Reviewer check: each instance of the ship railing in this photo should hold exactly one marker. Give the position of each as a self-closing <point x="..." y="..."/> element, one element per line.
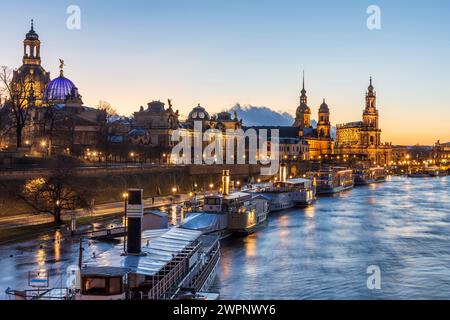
<point x="41" y="294"/>
<point x="163" y="283"/>
<point x="204" y="273"/>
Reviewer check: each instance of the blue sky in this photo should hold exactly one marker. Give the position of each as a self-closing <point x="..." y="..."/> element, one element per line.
<point x="218" y="53"/>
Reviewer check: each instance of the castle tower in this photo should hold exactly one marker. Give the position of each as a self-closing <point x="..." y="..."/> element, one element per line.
<point x="324" y="125"/>
<point x="303" y="114"/>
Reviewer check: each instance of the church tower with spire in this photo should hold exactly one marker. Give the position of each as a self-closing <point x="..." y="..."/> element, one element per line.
<point x="303" y="114"/>
<point x="362" y="139"/>
<point x="371" y="135"/>
<point x="370" y="114"/>
<point x="31" y="74"/>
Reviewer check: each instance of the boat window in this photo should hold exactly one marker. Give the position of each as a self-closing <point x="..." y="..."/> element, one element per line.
<point x="102" y="286"/>
<point x="94" y="286"/>
<point x="115" y="285"/>
<point x="212" y="201"/>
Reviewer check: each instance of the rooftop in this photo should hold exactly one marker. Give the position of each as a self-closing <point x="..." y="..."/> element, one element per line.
<point x="159" y="247"/>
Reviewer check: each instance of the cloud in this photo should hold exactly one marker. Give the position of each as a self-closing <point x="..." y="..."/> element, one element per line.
<point x="264" y="116"/>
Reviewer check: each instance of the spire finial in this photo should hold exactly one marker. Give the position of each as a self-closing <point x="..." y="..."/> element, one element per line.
<point x="32" y="24"/>
<point x="303" y="88"/>
<point x="303" y="79"/>
<point x="323" y="100"/>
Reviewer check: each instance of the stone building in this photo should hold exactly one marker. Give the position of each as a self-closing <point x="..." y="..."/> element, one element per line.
<point x="362" y="139"/>
<point x="441" y="152"/>
<point x="291" y="145"/>
<point x="57" y="122"/>
<point x="319" y="139"/>
<point x="31" y="74"/>
<point x="154" y="125"/>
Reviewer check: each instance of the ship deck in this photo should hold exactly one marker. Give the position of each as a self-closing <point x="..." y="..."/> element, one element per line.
<point x="158" y="249"/>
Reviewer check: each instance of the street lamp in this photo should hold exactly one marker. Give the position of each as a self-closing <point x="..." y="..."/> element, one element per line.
<point x="125" y="222"/>
<point x="44" y="145"/>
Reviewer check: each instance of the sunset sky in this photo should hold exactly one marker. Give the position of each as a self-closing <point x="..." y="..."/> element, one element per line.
<point x="219" y="53"/>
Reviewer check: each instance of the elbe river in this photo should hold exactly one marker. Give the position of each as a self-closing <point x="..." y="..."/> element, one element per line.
<point x="400" y="227"/>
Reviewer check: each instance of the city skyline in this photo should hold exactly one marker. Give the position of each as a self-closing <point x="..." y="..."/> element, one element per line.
<point x="264" y="66"/>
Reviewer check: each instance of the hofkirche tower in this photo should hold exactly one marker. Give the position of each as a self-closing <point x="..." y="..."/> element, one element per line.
<point x="362" y="139"/>
<point x="370" y="116"/>
<point x="31" y="74"/>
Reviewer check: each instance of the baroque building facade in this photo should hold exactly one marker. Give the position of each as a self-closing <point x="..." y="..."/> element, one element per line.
<point x="154" y="125"/>
<point x="31" y="74"/>
<point x="57" y="122"/>
<point x="319" y="139"/>
<point x="362" y="139"/>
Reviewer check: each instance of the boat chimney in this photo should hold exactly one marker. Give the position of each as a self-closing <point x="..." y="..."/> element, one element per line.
<point x="135" y="212"/>
<point x="226" y="182"/>
<point x="283" y="172"/>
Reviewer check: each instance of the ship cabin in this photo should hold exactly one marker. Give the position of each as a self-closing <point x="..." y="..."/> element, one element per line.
<point x="335" y="175"/>
<point x="296" y="184"/>
<point x="220" y="203"/>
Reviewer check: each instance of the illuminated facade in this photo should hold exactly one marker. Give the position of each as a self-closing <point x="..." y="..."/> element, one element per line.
<point x="362" y="139"/>
<point x="154" y="125"/>
<point x="31" y="71"/>
<point x="441" y="152"/>
<point x="58" y="122"/>
<point x="319" y="139"/>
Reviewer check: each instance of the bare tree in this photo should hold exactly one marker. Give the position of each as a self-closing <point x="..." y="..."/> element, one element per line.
<point x="57" y="192"/>
<point x="106" y="106"/>
<point x="18" y="100"/>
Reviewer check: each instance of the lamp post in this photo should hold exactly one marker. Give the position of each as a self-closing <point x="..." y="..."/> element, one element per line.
<point x="44" y="145"/>
<point x="125" y="198"/>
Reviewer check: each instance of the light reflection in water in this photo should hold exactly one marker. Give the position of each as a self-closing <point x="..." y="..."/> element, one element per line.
<point x="40" y="257"/>
<point x="250" y="246"/>
<point x="309" y="212"/>
<point x="320" y="252"/>
<point x="57" y="245"/>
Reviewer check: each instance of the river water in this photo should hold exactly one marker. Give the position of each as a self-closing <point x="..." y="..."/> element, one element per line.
<point x="401" y="227"/>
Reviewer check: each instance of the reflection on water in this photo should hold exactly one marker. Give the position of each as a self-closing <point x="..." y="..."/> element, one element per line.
<point x="320" y="252"/>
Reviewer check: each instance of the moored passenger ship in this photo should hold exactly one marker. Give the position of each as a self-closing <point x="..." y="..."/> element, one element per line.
<point x="287" y="194"/>
<point x="334" y="180"/>
<point x="368" y="176"/>
<point x="227" y="213"/>
<point x="170" y="262"/>
<point x="154" y="264"/>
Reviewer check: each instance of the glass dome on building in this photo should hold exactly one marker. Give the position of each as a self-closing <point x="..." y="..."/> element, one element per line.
<point x="58" y="89"/>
